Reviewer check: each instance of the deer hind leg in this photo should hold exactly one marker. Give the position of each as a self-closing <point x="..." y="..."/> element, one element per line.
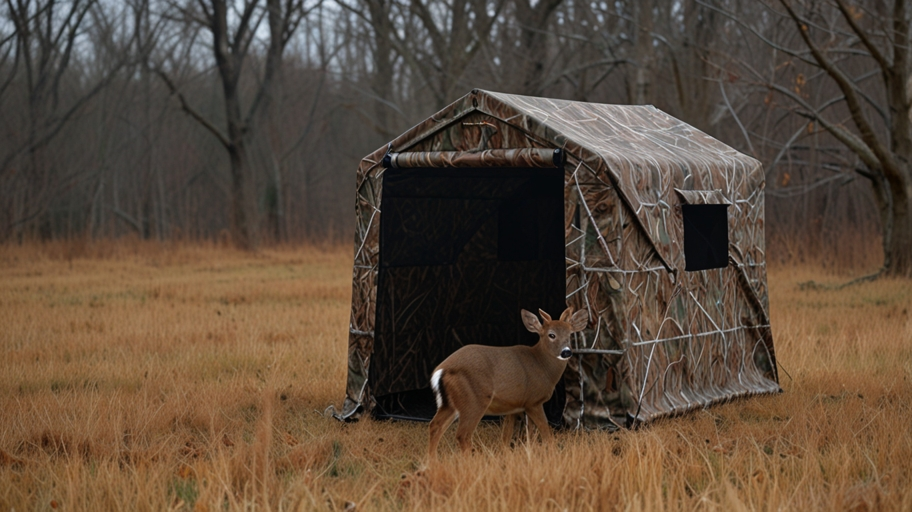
<point x="442" y="420"/>
<point x="471" y="404"/>
<point x="537" y="415"/>
<point x="468" y="422"/>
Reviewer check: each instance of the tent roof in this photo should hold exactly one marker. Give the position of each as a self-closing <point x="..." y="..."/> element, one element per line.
<point x="626" y="135"/>
<point x="641" y="150"/>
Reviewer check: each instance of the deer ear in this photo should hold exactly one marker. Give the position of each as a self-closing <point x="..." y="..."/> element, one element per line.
<point x="579" y="320"/>
<point x="565" y="316"/>
<point x="531" y="322"/>
<point x="545" y="316"/>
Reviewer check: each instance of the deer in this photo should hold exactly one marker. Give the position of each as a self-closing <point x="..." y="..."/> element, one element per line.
<point x="479" y="380"/>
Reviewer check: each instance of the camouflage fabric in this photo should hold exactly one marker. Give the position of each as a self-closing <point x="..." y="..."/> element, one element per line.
<point x="661" y="341"/>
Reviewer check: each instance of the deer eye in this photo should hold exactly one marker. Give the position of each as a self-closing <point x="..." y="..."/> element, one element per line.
<point x="552" y="335"/>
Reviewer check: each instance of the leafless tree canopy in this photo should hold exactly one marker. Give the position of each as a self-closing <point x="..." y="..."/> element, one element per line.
<point x="245" y="119"/>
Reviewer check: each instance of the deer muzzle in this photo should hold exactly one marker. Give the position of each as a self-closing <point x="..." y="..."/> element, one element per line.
<point x="565" y="354"/>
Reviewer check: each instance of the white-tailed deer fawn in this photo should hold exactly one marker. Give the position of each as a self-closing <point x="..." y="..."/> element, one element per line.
<point x="503" y="381"/>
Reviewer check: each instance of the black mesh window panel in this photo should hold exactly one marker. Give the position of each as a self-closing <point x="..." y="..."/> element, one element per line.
<point x="705" y="236"/>
<point x="462" y="251"/>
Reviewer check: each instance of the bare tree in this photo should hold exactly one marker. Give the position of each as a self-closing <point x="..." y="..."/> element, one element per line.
<point x="533" y="20"/>
<point x="849" y="46"/>
<point x="231" y="41"/>
<point x="436" y="40"/>
<point x="688" y="33"/>
<point x="379" y="20"/>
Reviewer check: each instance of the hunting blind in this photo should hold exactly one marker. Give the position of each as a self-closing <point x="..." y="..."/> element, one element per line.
<point x="500" y="202"/>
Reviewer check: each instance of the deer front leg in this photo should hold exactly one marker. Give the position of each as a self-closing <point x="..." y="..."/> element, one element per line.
<point x="508" y="422"/>
<point x="537" y="415"/>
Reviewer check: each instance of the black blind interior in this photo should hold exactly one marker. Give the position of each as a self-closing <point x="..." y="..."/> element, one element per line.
<point x="705" y="236"/>
<point x="461" y="252"/>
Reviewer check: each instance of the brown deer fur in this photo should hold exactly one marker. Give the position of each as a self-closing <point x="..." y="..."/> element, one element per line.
<point x="479" y="380"/>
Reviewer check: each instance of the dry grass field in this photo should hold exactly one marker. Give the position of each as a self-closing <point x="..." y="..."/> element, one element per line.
<point x="141" y="376"/>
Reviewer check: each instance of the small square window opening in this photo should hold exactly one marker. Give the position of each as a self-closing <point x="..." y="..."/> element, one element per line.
<point x="705" y="236"/>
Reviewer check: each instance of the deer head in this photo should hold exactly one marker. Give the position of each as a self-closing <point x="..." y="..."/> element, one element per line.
<point x="554" y="335"/>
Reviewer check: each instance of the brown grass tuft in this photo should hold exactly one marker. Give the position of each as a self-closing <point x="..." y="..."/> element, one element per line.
<point x="146" y="376"/>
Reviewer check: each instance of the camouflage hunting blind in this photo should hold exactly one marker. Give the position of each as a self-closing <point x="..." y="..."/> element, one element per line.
<point x="501" y="202"/>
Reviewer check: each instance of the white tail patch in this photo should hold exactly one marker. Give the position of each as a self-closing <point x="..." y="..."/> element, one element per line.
<point x="435" y="385"/>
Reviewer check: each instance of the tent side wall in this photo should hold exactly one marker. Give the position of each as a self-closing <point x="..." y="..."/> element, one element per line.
<point x="697" y="338"/>
<point x="690" y="338"/>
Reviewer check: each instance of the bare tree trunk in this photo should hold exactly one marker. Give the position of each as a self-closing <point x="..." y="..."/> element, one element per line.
<point x="152" y="175"/>
<point x="533" y="19"/>
<point x="382" y="81"/>
<point x="897" y="232"/>
<point x="689" y="61"/>
<point x="229" y="58"/>
<point x="282" y="20"/>
<point x="898" y="77"/>
<point x="640" y="87"/>
<point x="229" y="51"/>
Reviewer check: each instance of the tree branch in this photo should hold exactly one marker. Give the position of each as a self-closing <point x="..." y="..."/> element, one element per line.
<point x="612" y="63"/>
<point x="126" y="217"/>
<point x="734" y="114"/>
<point x="863" y="37"/>
<point x="62" y="120"/>
<point x="757" y="34"/>
<point x="192" y="112"/>
<point x="855" y="109"/>
<point x="856" y="145"/>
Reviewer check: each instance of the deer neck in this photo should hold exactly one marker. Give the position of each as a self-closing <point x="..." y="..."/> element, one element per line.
<point x="547" y="360"/>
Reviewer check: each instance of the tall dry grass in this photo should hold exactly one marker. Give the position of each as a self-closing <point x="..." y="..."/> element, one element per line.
<point x="154" y="376"/>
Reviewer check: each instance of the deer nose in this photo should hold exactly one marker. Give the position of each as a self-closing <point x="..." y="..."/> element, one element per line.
<point x="565" y="353"/>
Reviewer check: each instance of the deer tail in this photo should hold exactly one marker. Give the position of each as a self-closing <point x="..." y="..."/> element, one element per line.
<point x="437" y="386"/>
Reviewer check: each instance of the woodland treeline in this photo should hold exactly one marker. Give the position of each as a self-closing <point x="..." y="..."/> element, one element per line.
<point x="245" y="120"/>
